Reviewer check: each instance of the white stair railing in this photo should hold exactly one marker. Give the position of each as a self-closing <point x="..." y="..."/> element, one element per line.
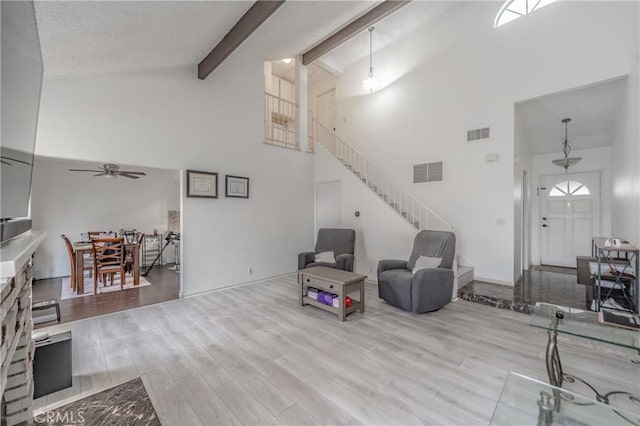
<point x="402" y="201"/>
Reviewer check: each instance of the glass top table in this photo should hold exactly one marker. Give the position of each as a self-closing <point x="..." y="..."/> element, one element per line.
<point x="526" y="401"/>
<point x="582" y="323"/>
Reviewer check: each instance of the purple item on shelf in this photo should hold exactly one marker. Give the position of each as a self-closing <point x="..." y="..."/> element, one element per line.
<point x="326" y="297"/>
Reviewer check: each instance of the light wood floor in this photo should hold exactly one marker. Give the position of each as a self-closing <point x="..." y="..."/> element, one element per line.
<point x="250" y="355"/>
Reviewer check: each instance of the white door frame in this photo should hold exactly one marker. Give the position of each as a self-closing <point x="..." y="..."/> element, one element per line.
<point x="526" y="221"/>
<point x="318" y="96"/>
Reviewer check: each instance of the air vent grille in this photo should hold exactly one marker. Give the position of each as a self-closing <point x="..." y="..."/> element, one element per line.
<point x="427" y="172"/>
<point x="474" y="135"/>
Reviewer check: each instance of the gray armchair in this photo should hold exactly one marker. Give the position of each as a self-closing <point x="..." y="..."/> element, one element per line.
<point x="429" y="289"/>
<point x="340" y="241"/>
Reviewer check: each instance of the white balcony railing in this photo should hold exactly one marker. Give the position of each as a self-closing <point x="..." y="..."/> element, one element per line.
<point x="280" y="122"/>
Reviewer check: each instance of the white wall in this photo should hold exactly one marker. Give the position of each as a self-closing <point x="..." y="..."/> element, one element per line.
<point x="168" y="118"/>
<point x="626" y="162"/>
<point x="459" y="73"/>
<point x="593" y="159"/>
<point x="71" y="203"/>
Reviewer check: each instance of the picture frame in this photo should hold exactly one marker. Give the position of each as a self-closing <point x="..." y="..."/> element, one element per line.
<point x="202" y="184"/>
<point x="236" y="187"/>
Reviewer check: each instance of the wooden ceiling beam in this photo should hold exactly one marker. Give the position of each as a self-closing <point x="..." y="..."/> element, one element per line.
<point x="250" y="21"/>
<point x="385" y="8"/>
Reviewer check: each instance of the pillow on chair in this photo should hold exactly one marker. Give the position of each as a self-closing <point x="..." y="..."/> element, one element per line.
<point x="325" y="257"/>
<point x="425" y="262"/>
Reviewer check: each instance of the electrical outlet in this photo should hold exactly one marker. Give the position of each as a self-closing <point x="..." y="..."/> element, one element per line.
<point x="250" y="271"/>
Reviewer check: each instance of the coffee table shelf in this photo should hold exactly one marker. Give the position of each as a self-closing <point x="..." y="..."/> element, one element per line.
<point x="355" y="305"/>
<point x="335" y="281"/>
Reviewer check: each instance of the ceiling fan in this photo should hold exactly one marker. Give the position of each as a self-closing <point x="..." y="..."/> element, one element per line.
<point x="111" y="170"/>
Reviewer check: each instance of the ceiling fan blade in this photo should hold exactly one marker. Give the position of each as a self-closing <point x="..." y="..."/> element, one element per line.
<point x="85" y="170"/>
<point x="100" y="174"/>
<point x="132" y="173"/>
<point x="6" y="162"/>
<point x="127" y="175"/>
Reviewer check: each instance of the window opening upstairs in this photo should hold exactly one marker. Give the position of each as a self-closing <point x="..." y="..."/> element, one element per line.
<point x="280" y="106"/>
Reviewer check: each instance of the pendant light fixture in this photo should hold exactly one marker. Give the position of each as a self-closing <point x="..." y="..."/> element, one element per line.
<point x="371" y="83"/>
<point x="566" y="149"/>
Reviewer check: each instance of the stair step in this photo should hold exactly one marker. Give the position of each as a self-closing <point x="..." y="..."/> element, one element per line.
<point x="465" y="275"/>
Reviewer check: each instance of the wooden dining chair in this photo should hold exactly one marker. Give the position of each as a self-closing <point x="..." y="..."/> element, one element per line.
<point x="130" y="252"/>
<point x="87" y="264"/>
<point x="108" y="254"/>
<point x="72" y="260"/>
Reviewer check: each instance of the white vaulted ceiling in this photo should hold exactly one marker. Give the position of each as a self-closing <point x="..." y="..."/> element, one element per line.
<point x="110" y="36"/>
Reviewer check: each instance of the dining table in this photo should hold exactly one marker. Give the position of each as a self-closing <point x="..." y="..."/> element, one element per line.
<point x="82" y="248"/>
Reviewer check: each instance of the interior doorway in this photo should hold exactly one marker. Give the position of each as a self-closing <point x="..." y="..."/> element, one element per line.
<point x="570" y="216"/>
<point x="69" y="197"/>
<point x="328" y="205"/>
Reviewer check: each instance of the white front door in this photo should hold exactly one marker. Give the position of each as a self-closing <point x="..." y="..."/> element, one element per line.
<point x="570" y="216"/>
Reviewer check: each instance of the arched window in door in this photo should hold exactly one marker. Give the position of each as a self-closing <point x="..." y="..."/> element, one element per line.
<point x="514" y="9"/>
<point x="567" y="188"/>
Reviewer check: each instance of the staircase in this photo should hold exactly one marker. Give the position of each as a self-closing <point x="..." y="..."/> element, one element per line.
<point x="413" y="211"/>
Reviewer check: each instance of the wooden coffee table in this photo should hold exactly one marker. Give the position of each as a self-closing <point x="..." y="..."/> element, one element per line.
<point x="334" y="281"/>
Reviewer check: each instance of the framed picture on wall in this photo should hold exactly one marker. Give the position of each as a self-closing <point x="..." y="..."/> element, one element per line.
<point x="236" y="187"/>
<point x="202" y="184"/>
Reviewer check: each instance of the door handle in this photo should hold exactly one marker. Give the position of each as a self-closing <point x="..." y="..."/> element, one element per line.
<point x="544" y="225"/>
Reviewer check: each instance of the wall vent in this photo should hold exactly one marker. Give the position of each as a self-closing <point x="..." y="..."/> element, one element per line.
<point x="427" y="172"/>
<point x="474" y="135"/>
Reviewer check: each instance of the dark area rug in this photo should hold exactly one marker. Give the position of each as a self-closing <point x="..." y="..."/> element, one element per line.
<point x="125" y="404"/>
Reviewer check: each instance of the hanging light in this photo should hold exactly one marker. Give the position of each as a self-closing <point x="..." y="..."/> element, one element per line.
<point x="371" y="83"/>
<point x="566" y="149"/>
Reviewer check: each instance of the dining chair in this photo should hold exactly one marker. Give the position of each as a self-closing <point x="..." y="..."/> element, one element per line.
<point x="129" y="253"/>
<point x="72" y="260"/>
<point x="87" y="264"/>
<point x="108" y="254"/>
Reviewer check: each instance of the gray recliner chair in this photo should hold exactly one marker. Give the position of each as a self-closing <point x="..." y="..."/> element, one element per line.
<point x="429" y="289"/>
<point x="340" y="241"/>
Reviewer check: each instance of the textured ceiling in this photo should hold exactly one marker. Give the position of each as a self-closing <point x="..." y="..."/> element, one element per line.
<point x="592" y="111"/>
<point x="109" y="36"/>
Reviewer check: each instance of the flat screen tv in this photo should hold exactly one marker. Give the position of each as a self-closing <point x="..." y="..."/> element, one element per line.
<point x="20" y="97"/>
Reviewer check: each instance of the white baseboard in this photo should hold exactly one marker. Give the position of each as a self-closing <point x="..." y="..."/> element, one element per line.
<point x="494" y="281"/>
